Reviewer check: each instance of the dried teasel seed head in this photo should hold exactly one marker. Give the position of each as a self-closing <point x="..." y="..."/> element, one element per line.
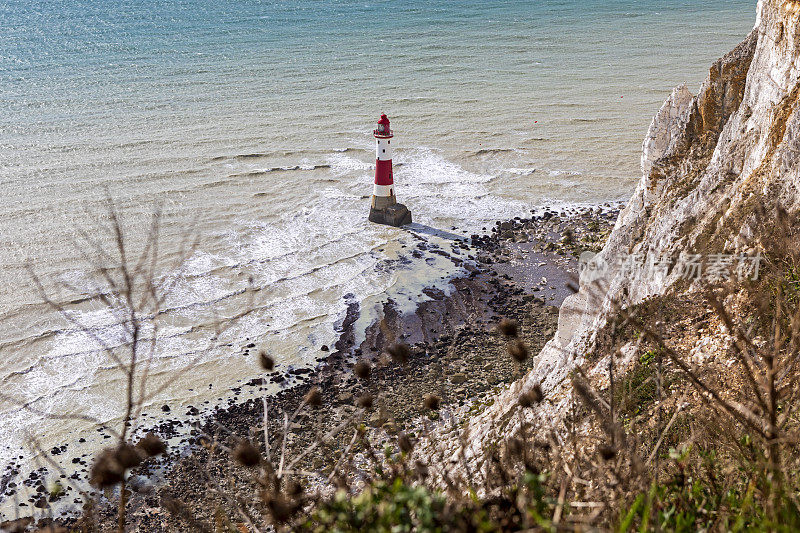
<point x="536" y="393"/>
<point x="405" y="443"/>
<point x="508" y="327"/>
<point x="399" y="352"/>
<point x="432" y="402"/>
<point x="421" y="469"/>
<point x="314" y="397"/>
<point x="267" y="362"/>
<point x="524" y="400"/>
<point x="127" y="456"/>
<point x="362" y="369"/>
<point x="518" y="351"/>
<point x="106" y="470"/>
<point x="280" y="507"/>
<point x="246" y="454"/>
<point x="607" y="452"/>
<point x="365" y="400"/>
<point x="294" y="489"/>
<point x="516" y="446"/>
<point x="151" y="445"/>
<point x="530" y="397"/>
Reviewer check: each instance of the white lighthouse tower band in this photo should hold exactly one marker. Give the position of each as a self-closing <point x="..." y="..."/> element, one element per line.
<point x="384" y="208"/>
<point x="383" y="153"/>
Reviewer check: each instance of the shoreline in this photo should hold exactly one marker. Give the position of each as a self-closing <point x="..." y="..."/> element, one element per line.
<point x="517" y="270"/>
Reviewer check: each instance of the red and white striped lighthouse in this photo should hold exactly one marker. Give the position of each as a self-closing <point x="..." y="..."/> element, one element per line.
<point x="383" y="193"/>
<point x="385" y="209"/>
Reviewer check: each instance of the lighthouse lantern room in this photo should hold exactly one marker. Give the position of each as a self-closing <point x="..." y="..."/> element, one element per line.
<point x="384" y="208"/>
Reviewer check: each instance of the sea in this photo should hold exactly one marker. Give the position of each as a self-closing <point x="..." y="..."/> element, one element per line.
<point x="246" y="125"/>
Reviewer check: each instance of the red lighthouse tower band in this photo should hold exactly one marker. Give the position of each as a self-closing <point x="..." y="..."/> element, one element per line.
<point x="385" y="209"/>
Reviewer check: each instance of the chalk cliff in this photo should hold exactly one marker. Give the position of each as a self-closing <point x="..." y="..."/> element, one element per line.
<point x="708" y="162"/>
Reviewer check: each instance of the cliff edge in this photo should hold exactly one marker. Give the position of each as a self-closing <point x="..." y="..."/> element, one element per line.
<point x="709" y="162"/>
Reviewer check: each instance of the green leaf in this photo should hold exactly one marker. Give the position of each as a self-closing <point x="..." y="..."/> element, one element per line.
<point x="625" y="525"/>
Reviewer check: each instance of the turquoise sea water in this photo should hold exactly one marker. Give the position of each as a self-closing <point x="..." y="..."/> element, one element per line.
<point x="250" y="121"/>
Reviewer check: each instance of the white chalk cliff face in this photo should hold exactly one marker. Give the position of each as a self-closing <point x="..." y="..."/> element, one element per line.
<point x="666" y="125"/>
<point x="708" y="162"/>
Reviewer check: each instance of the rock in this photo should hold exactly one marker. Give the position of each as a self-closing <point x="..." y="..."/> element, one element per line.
<point x="458" y="378"/>
<point x="665" y="126"/>
<point x="345" y="397"/>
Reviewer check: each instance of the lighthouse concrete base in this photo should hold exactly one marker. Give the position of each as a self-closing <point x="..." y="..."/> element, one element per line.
<point x="393" y="215"/>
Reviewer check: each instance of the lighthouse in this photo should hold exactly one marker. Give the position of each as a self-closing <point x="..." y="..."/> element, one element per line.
<point x="385" y="209"/>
